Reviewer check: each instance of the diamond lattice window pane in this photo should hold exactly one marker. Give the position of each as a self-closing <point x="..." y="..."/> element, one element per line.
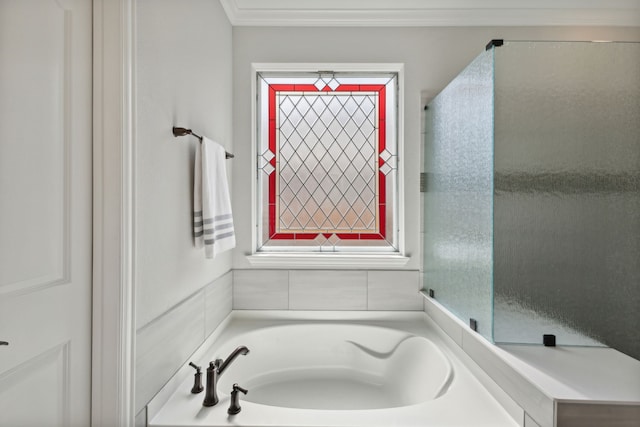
<point x="326" y="154"/>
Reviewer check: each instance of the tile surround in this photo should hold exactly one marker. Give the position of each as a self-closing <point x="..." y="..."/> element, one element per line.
<point x="528" y="421"/>
<point x="164" y="344"/>
<point x="448" y="324"/>
<point x="260" y="289"/>
<point x="393" y="290"/>
<point x="327" y="290"/>
<point x="141" y="418"/>
<point x="218" y="302"/>
<point x="197" y="316"/>
<point x="538" y="405"/>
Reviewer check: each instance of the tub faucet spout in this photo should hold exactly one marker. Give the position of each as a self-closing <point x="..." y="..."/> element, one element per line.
<point x="237" y="352"/>
<point x="215" y="370"/>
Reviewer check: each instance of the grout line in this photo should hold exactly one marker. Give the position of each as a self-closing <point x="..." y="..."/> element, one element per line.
<point x="367" y="293"/>
<point x="204" y="308"/>
<point x="233" y="288"/>
<point x="288" y="289"/>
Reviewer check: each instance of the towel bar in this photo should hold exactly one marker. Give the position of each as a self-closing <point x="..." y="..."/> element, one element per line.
<point x="183" y="131"/>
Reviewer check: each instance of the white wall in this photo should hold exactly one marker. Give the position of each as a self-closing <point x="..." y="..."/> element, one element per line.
<point x="432" y="58"/>
<point x="183" y="77"/>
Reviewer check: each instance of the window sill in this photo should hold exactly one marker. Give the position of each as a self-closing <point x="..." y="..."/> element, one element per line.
<point x="318" y="260"/>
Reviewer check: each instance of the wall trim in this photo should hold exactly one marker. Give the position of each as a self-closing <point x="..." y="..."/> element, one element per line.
<point x="433" y="13"/>
<point x="113" y="330"/>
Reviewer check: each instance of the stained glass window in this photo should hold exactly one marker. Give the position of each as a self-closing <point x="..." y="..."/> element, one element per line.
<point x="327" y="162"/>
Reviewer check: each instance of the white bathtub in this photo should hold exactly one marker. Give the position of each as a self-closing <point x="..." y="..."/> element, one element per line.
<point x="334" y="369"/>
<point x="337" y="366"/>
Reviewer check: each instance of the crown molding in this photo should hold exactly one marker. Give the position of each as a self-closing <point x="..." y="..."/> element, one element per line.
<point x="433" y="13"/>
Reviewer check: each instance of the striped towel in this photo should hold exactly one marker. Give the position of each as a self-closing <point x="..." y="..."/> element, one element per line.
<point x="212" y="219"/>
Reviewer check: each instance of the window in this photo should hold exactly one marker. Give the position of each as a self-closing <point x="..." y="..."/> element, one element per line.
<point x="327" y="162"/>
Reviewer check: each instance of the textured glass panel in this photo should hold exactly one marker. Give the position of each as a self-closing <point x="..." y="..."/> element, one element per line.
<point x="458" y="202"/>
<point x="567" y="202"/>
<point x="327" y="162"/>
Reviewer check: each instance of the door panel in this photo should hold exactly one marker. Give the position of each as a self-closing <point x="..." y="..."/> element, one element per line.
<point x="33" y="172"/>
<point x="24" y="384"/>
<point x="45" y="212"/>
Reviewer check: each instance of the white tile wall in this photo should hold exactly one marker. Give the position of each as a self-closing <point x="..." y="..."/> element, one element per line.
<point x="394" y="290"/>
<point x="327" y="290"/>
<point x="534" y="401"/>
<point x="260" y="289"/>
<point x="539" y="406"/>
<point x="529" y="422"/>
<point x="141" y="418"/>
<point x="449" y="325"/>
<point x="164" y="344"/>
<point x="218" y="302"/>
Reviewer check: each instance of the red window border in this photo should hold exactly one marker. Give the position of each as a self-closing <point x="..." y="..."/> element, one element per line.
<point x="382" y="127"/>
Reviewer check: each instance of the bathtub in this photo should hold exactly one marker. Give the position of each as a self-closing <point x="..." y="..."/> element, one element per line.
<point x="332" y="369"/>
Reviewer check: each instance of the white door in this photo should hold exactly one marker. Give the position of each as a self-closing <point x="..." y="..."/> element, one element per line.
<point x="45" y="212"/>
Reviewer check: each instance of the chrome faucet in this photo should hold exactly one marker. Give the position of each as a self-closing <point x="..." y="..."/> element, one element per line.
<point x="214" y="371"/>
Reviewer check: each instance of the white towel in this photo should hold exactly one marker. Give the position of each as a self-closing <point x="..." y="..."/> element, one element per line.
<point x="212" y="219"/>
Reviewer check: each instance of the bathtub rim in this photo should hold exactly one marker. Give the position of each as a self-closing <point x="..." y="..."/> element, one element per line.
<point x="539" y="395"/>
<point x="487" y="362"/>
<point x="164" y="394"/>
<point x="420" y="320"/>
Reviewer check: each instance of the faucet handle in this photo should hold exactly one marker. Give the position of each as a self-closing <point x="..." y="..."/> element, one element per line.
<point x="234" y="406"/>
<point x="236" y="387"/>
<point x="197" y="379"/>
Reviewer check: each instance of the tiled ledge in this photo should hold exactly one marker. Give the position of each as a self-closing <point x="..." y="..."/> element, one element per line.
<point x="551" y="394"/>
<point x="329" y="260"/>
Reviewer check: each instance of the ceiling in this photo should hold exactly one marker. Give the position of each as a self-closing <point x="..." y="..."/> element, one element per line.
<point x="432" y="12"/>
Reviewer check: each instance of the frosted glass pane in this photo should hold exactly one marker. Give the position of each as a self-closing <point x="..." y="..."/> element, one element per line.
<point x="567" y="193"/>
<point x="458" y="202"/>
